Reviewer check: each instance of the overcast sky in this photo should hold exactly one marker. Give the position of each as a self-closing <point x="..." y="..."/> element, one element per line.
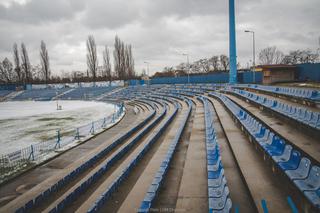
<point x="159" y="30"/>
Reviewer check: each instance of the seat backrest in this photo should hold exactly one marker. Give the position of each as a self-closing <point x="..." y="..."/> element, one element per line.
<point x="270" y="138"/>
<point x="295" y="157"/>
<point x="280" y="144"/>
<point x="314" y="176"/>
<point x="305" y="164"/>
<point x="275" y="140"/>
<point x="287" y="151"/>
<point x="266" y="134"/>
<point x="262" y="131"/>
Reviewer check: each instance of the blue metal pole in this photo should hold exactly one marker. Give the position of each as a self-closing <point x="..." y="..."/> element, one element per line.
<point x="232" y="44"/>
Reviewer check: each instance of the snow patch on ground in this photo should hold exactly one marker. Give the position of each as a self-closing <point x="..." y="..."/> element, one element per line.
<point x="29" y="122"/>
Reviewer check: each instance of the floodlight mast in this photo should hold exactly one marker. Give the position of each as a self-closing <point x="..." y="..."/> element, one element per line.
<point x="188" y="65"/>
<point x="232" y="44"/>
<point x="253" y="54"/>
<point x="146" y="62"/>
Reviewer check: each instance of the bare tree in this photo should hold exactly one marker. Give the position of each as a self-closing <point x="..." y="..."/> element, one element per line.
<point x="44" y="58"/>
<point x="271" y="55"/>
<point x="25" y="64"/>
<point x="6" y="71"/>
<point x="123" y="60"/>
<point x="119" y="59"/>
<point x="215" y="62"/>
<point x="300" y="56"/>
<point x="307" y="56"/>
<point x="204" y="65"/>
<point x="92" y="59"/>
<point x="106" y="64"/>
<point x="129" y="61"/>
<point x="224" y="61"/>
<point x="17" y="67"/>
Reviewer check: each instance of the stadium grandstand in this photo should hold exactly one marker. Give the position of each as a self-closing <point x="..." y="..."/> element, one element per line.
<point x="197" y="147"/>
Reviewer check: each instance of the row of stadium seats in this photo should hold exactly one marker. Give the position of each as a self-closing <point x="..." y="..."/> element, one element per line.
<point x="313" y="95"/>
<point x="218" y="191"/>
<point x="299" y="169"/>
<point x="103" y="169"/>
<point x="76" y="93"/>
<point x="79" y="170"/>
<point x="300" y="114"/>
<point x="5" y="92"/>
<point x="40" y="94"/>
<point x="108" y="192"/>
<point x="161" y="173"/>
<point x="86" y="92"/>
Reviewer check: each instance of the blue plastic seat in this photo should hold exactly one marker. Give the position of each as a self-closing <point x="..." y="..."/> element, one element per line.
<point x="215" y="174"/>
<point x="308" y="116"/>
<point x="217" y="191"/>
<point x="269" y="140"/>
<point x="218" y="203"/>
<point x="264" y="137"/>
<point x="256" y="129"/>
<point x="314" y="119"/>
<point x="285" y="155"/>
<point x="292" y="163"/>
<point x="214" y="167"/>
<point x="312" y="182"/>
<point x="276" y="148"/>
<point x="313" y="197"/>
<point x="145" y="206"/>
<point x="218" y="181"/>
<point x="302" y="171"/>
<point x="260" y="134"/>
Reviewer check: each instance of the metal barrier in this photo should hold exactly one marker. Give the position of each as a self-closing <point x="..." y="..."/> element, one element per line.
<point x="13" y="162"/>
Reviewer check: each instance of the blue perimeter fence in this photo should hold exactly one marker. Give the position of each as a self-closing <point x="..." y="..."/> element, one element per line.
<point x="306" y="72"/>
<point x="243" y="77"/>
<point x="11" y="162"/>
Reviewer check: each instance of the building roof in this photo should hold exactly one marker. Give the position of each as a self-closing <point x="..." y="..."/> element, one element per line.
<point x="284" y="67"/>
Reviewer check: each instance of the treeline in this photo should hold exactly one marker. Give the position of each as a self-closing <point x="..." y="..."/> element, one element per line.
<point x="220" y="63"/>
<point x="272" y="55"/>
<point x="22" y="72"/>
<point x="217" y="63"/>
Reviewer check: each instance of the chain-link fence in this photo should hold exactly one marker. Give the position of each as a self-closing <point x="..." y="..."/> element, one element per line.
<point x="15" y="161"/>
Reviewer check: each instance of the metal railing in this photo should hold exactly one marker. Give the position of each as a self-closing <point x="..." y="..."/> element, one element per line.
<point x="15" y="161"/>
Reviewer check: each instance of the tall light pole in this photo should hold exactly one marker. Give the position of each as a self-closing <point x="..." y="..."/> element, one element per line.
<point x="188" y="65"/>
<point x="232" y="44"/>
<point x="319" y="49"/>
<point x="254" y="54"/>
<point x="148" y="71"/>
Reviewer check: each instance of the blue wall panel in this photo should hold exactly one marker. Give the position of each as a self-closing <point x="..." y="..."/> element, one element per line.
<point x="9" y="86"/>
<point x="247" y="77"/>
<point x="310" y="72"/>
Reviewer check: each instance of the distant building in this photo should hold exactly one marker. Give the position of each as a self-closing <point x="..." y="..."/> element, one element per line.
<point x="277" y="73"/>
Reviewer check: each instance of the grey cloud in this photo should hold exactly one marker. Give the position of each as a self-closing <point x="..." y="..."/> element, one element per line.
<point x="157" y="29"/>
<point x="40" y="11"/>
<point x="110" y="14"/>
